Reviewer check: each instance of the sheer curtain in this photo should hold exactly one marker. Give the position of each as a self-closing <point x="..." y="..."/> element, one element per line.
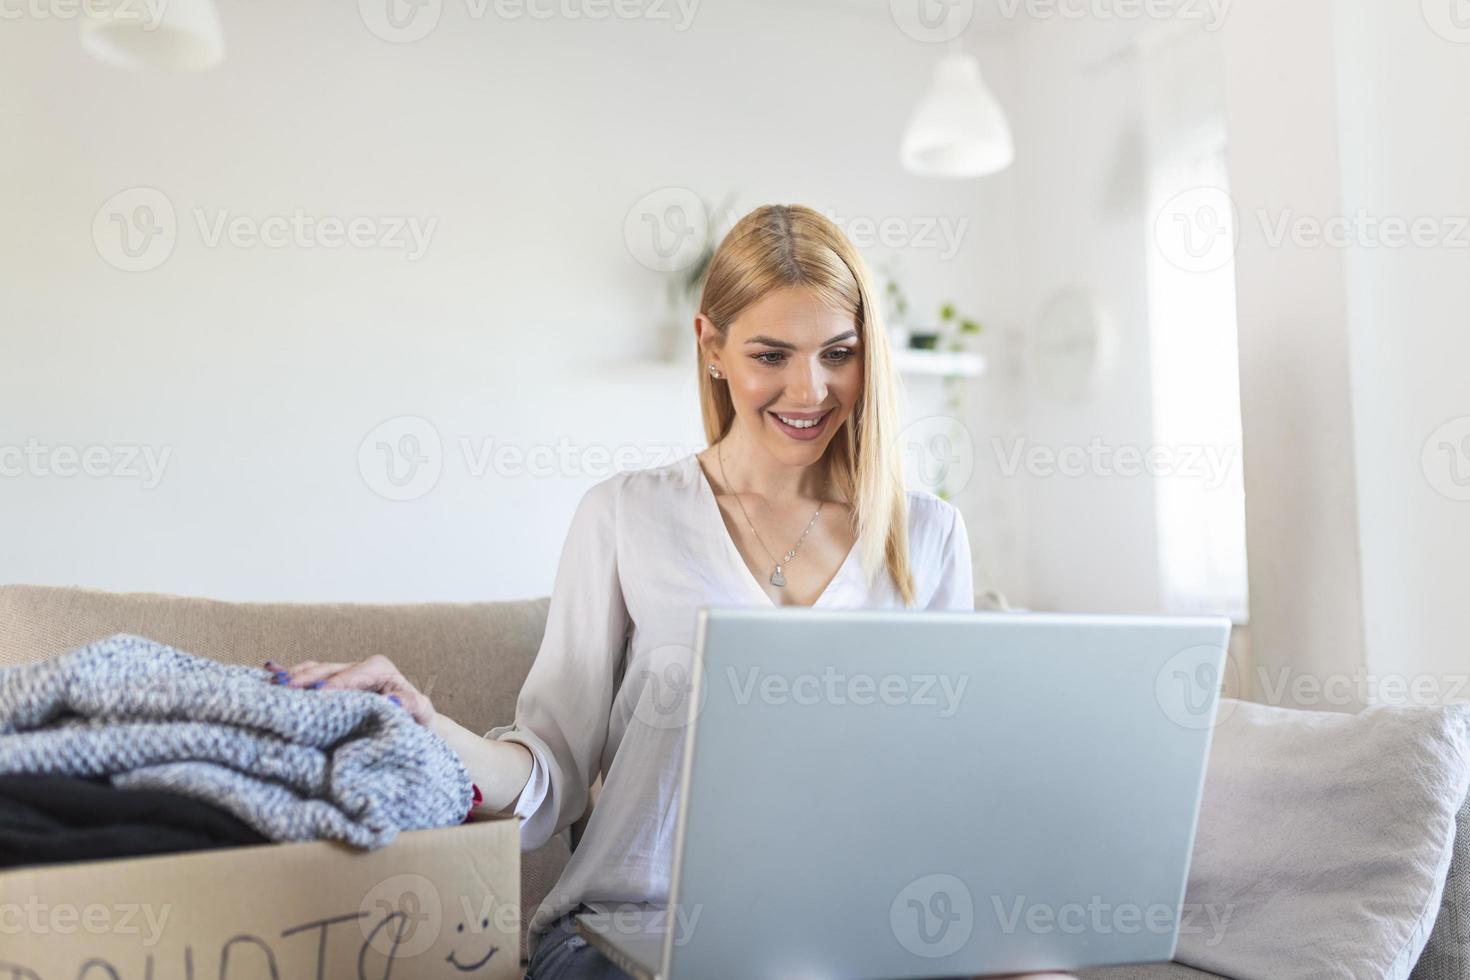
<point x="1192" y="326"/>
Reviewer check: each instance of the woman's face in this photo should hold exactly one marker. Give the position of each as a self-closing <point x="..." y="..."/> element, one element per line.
<point x="789" y="359"/>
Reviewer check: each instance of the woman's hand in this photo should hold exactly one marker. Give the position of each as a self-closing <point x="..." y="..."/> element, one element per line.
<point x="376" y="673"/>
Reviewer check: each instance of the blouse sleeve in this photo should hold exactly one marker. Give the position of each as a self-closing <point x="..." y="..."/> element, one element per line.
<point x="956" y="588"/>
<point x="563" y="708"/>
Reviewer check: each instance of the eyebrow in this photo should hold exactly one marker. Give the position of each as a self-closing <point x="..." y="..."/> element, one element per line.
<point x="770" y="342"/>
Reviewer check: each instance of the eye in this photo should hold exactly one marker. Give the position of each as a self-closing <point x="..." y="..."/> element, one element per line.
<point x="836" y="355"/>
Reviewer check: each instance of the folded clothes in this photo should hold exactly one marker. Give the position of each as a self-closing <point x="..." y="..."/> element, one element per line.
<point x="57" y="819"/>
<point x="295" y="764"/>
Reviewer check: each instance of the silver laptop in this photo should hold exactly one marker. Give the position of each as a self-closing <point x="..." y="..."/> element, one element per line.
<point x="875" y="794"/>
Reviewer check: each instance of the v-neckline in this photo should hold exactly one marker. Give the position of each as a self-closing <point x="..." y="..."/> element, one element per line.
<point x="718" y="528"/>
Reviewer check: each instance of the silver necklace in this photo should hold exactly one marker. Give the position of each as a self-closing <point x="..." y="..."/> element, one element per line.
<point x="777" y="579"/>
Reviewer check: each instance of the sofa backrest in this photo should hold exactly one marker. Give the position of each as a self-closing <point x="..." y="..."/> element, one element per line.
<point x="469" y="658"/>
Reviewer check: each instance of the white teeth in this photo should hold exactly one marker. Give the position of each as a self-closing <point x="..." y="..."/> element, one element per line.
<point x="801" y="423"/>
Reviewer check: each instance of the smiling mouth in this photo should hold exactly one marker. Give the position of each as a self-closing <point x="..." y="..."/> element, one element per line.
<point x="801" y="417"/>
<point x="799" y="427"/>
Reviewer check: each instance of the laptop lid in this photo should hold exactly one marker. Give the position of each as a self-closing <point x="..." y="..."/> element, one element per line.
<point x="923" y="794"/>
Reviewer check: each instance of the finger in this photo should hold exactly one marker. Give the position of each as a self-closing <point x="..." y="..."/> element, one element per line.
<point x="378" y="674"/>
<point x="372" y="674"/>
<point x="304" y="676"/>
<point x="271" y="665"/>
<point x="414" y="701"/>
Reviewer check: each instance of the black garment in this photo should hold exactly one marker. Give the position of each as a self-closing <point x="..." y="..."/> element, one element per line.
<point x="50" y="819"/>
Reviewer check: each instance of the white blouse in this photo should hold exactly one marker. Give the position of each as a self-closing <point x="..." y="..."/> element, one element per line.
<point x="646" y="549"/>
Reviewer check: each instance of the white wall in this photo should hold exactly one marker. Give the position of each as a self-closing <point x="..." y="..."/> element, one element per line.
<point x="1296" y="396"/>
<point x="1089" y="541"/>
<point x="528" y="321"/>
<point x="1405" y="145"/>
<point x="1353" y="346"/>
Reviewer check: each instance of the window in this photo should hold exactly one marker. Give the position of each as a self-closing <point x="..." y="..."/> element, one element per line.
<point x="1192" y="326"/>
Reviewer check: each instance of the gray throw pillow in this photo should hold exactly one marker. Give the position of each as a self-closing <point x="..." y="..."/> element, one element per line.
<point x="1324" y="840"/>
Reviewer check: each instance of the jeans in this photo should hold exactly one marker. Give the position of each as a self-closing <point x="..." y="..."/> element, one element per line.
<point x="565" y="955"/>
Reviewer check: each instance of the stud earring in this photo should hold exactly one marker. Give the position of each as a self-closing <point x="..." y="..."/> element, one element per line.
<point x="713" y="372"/>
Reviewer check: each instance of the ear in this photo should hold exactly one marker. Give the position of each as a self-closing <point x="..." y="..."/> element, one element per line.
<point x="709" y="340"/>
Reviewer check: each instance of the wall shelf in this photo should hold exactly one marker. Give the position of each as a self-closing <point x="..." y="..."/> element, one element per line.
<point x="942" y="363"/>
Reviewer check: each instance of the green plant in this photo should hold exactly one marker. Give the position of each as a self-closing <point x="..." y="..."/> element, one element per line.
<point x="957" y="326"/>
<point x="896" y="304"/>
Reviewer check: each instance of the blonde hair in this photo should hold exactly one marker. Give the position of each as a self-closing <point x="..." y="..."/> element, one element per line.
<point x="780" y="245"/>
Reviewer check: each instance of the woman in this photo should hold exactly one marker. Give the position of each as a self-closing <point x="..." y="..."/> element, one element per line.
<point x="799" y="500"/>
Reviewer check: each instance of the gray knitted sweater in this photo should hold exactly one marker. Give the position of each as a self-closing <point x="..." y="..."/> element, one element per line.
<point x="296" y="764"/>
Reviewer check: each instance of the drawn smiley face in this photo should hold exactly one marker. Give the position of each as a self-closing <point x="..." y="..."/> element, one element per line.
<point x="470" y="967"/>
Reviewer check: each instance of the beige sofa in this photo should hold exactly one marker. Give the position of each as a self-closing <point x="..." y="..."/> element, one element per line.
<point x="471" y="659"/>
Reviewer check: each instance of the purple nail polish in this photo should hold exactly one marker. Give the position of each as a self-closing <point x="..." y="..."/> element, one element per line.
<point x="394" y="699"/>
<point x="316" y="684"/>
<point x="282" y="676"/>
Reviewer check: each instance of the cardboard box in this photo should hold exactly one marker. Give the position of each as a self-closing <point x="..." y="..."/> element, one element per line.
<point x="442" y="903"/>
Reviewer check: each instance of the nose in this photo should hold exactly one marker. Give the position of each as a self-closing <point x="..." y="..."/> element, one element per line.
<point x="808" y="385"/>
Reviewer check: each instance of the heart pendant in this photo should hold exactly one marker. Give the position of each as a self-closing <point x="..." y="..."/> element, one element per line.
<point x="777" y="579"/>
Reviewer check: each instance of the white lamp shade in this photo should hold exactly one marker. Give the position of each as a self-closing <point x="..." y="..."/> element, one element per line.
<point x="958" y="129"/>
<point x="183" y="35"/>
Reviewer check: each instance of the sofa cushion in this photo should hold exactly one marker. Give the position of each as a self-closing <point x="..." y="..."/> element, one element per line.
<point x="1147" y="971"/>
<point x="1325" y="839"/>
<point x="470" y="658"/>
